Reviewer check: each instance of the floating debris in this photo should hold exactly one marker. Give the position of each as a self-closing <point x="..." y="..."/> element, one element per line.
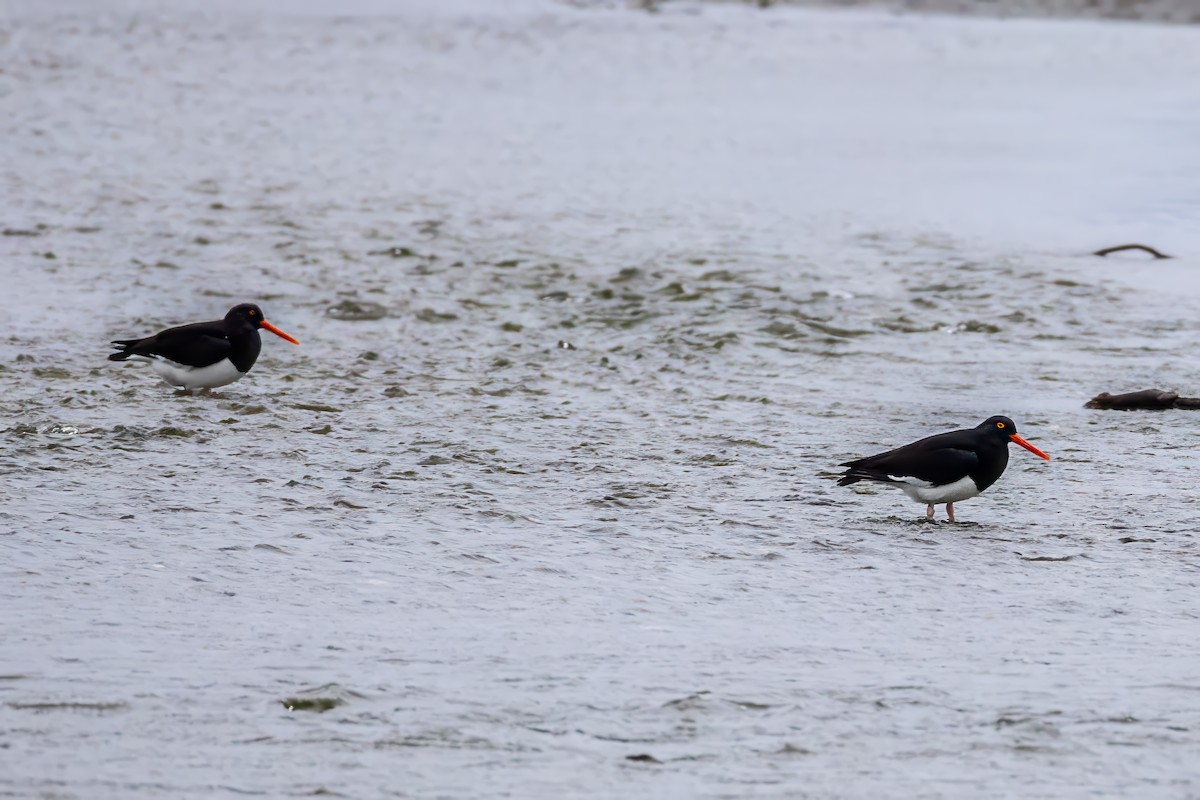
<point x="1121" y="247"/>
<point x="1146" y="399"/>
<point x="317" y="704"/>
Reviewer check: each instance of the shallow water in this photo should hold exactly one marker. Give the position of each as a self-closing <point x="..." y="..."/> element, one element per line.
<point x="592" y="302"/>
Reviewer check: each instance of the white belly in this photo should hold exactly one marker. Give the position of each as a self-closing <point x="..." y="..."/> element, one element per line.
<point x="221" y="373"/>
<point x="961" y="489"/>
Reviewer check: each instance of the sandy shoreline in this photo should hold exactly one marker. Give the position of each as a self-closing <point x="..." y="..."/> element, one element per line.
<point x="1165" y="11"/>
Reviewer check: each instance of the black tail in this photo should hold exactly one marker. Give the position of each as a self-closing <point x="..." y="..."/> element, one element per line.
<point x="126" y="346"/>
<point x="854" y="475"/>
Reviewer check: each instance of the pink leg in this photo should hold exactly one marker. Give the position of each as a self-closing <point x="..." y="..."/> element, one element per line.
<point x="929" y="512"/>
<point x="950" y="511"/>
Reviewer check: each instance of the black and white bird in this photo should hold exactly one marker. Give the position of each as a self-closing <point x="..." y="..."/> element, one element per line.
<point x="945" y="468"/>
<point x="203" y="355"/>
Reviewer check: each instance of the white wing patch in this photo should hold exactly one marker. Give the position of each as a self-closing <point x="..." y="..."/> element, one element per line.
<point x="910" y="480"/>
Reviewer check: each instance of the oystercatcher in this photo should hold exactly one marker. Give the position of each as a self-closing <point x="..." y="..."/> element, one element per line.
<point x="203" y="355"/>
<point x="944" y="468"/>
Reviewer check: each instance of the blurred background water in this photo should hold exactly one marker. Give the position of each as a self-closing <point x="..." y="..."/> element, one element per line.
<point x="1171" y="11"/>
<point x="592" y="302"/>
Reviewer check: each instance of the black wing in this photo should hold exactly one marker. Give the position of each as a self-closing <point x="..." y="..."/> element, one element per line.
<point x="939" y="460"/>
<point x="197" y="345"/>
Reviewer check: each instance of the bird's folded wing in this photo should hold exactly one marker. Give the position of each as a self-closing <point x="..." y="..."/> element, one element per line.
<point x="188" y="346"/>
<point x="935" y="467"/>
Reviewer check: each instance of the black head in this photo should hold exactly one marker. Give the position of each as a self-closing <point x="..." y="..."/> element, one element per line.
<point x="251" y="316"/>
<point x="1005" y="429"/>
<point x="246" y="314"/>
<point x="1001" y="427"/>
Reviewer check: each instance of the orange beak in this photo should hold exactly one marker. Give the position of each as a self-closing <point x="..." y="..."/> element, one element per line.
<point x="293" y="339"/>
<point x="1028" y="446"/>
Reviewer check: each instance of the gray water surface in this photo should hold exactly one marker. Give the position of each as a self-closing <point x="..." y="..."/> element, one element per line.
<point x="592" y="302"/>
